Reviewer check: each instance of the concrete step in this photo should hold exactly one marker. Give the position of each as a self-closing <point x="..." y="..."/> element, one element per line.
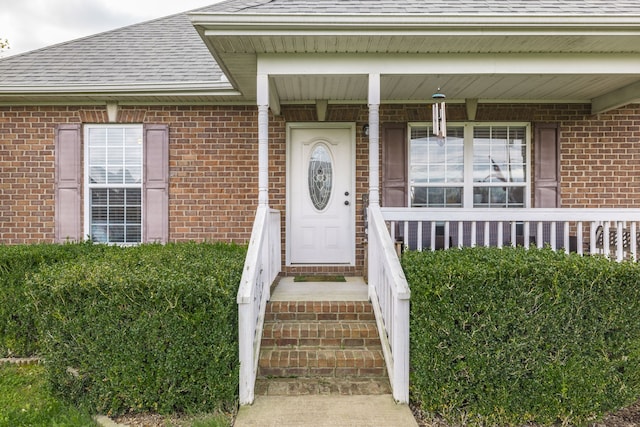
<point x="327" y="334"/>
<point x="322" y="386"/>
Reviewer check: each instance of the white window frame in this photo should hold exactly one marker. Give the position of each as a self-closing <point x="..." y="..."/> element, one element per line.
<point x="88" y="186"/>
<point x="468" y="183"/>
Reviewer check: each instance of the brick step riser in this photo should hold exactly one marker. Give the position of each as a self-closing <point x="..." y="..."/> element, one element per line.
<point x="319" y="362"/>
<point x="319" y="317"/>
<point x="302" y="334"/>
<point x="324" y="343"/>
<point x="319" y="311"/>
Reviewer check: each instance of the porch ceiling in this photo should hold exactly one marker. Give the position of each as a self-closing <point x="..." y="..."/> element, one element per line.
<point x="240" y="45"/>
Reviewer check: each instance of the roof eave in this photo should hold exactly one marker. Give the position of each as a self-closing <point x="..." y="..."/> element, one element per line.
<point x="230" y="24"/>
<point x="91" y="92"/>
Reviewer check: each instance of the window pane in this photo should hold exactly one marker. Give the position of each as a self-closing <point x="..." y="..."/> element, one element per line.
<point x="436" y="197"/>
<point x="133" y="215"/>
<point x="499" y="154"/>
<point x="116" y="234"/>
<point x="116" y="196"/>
<point x="134" y="197"/>
<point x="116" y="214"/>
<point x="133" y="234"/>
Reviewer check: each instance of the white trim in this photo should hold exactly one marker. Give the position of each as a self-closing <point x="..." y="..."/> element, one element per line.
<point x="445" y="64"/>
<point x="219" y="24"/>
<point x="289" y="177"/>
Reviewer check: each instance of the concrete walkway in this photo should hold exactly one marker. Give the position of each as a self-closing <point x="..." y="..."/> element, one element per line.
<point x="324" y="410"/>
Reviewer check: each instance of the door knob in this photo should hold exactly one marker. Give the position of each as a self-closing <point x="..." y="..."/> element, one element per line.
<point x="346" y="203"/>
<point x="346" y="193"/>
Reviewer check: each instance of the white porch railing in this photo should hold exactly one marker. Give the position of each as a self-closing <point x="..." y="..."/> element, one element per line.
<point x="261" y="268"/>
<point x="614" y="233"/>
<point x="389" y="294"/>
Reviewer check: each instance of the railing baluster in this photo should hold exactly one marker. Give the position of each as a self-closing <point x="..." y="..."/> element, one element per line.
<point x="539" y="234"/>
<point x="487" y="234"/>
<point x="633" y="241"/>
<point x="406" y="234"/>
<point x="419" y="239"/>
<point x="606" y="244"/>
<point x="446" y="235"/>
<point x="579" y="238"/>
<point x="432" y="236"/>
<point x="619" y="241"/>
<point x="474" y="233"/>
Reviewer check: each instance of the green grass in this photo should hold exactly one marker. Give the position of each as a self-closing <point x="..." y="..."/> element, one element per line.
<point x="26" y="401"/>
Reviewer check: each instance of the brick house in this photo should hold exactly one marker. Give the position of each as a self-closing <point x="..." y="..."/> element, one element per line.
<point x="310" y="112"/>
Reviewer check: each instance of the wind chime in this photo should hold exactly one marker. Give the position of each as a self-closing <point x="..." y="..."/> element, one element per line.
<point x="439" y="117"/>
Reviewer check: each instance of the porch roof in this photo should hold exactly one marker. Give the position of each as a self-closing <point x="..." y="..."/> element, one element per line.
<point x="491" y="51"/>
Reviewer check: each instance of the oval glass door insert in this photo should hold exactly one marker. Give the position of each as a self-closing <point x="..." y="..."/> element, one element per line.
<point x="320" y="177"/>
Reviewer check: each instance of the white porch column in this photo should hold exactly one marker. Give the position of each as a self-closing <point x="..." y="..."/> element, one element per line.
<point x="263" y="139"/>
<point x="374" y="139"/>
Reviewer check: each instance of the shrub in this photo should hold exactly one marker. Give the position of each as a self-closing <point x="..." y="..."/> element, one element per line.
<point x="145" y="328"/>
<point x="18" y="336"/>
<point x="510" y="336"/>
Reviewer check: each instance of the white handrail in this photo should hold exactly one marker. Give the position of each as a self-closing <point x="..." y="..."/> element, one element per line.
<point x="262" y="266"/>
<point x="609" y="232"/>
<point x="389" y="294"/>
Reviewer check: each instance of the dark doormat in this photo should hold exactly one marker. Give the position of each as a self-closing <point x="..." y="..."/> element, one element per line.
<point x="319" y="279"/>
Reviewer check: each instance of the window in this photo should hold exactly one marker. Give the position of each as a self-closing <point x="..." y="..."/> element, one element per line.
<point x="113" y="183"/>
<point x="478" y="165"/>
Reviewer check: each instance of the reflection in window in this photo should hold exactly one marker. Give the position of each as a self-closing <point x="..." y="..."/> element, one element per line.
<point x="499" y="166"/>
<point x="437" y="168"/>
<point x="495" y="174"/>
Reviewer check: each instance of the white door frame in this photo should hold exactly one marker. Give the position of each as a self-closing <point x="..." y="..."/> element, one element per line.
<point x="323" y="125"/>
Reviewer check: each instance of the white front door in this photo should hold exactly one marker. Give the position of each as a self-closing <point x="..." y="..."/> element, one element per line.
<point x="320" y="189"/>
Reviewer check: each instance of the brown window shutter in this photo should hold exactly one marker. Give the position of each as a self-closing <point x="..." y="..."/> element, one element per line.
<point x="68" y="183"/>
<point x="547" y="166"/>
<point x="156" y="184"/>
<point x="394" y="165"/>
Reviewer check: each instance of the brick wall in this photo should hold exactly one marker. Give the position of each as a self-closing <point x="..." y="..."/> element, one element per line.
<point x="214" y="161"/>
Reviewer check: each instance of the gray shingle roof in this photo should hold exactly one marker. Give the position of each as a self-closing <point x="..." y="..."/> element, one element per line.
<point x="165" y="50"/>
<point x="170" y="51"/>
<point x="480" y="7"/>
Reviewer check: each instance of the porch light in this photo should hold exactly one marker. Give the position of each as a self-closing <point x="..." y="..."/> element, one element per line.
<point x="439" y="117"/>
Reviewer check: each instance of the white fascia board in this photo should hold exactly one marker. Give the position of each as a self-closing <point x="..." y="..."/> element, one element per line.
<point x="296" y="24"/>
<point x="137" y="87"/>
<point x="449" y="64"/>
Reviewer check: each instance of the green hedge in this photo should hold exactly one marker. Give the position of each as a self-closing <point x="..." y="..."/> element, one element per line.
<point x="18" y="336"/>
<point x="145" y="328"/>
<point x="514" y="336"/>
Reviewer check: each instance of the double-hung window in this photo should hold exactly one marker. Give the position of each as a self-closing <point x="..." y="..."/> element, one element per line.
<point x="478" y="165"/>
<point x="113" y="183"/>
